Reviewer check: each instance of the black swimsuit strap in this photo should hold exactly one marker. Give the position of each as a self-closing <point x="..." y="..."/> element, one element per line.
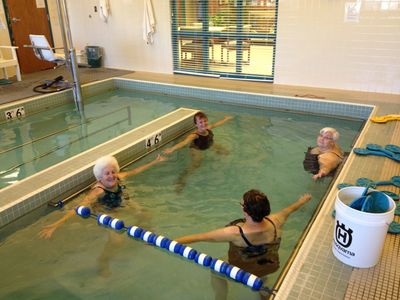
<point x="244" y="237"/>
<point x="340" y="156"/>
<point x="273" y="224"/>
<point x="100" y="187"/>
<point x="247" y="241"/>
<point x="107" y="190"/>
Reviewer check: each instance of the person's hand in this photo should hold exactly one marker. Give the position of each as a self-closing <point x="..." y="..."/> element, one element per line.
<point x="161" y="158"/>
<point x="318" y="176"/>
<point x="168" y="151"/>
<point x="47" y="231"/>
<point x="227" y="118"/>
<point x="305" y="198"/>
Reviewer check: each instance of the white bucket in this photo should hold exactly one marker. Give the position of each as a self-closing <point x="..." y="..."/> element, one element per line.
<point x="358" y="237"/>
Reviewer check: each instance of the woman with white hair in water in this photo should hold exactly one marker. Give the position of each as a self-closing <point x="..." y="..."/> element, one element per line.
<point x="327" y="156"/>
<point x="107" y="191"/>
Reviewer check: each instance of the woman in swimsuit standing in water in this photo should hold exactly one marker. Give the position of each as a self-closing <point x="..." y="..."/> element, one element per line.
<point x="254" y="240"/>
<point x="199" y="141"/>
<point x="107" y="193"/>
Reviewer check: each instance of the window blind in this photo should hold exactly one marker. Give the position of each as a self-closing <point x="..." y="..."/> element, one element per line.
<point x="228" y="38"/>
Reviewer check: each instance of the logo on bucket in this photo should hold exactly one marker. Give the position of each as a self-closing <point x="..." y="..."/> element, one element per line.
<point x="343" y="239"/>
<point x="342" y="235"/>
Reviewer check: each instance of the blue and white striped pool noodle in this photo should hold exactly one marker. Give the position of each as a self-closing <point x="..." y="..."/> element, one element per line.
<point x="106" y="220"/>
<point x="83" y="211"/>
<point x="215" y="264"/>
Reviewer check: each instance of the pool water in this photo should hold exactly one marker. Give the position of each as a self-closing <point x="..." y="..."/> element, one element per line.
<point x="262" y="149"/>
<point x="41" y="140"/>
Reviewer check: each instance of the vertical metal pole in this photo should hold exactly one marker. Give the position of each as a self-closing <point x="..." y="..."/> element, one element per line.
<point x="77" y="86"/>
<point x="62" y="26"/>
<point x="74" y="65"/>
<point x="66" y="20"/>
<point x="67" y="40"/>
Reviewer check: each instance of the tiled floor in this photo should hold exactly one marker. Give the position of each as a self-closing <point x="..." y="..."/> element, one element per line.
<point x="316" y="273"/>
<point x="24" y="89"/>
<point x="381" y="282"/>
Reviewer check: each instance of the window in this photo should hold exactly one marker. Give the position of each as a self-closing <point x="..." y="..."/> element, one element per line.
<point x="227" y="38"/>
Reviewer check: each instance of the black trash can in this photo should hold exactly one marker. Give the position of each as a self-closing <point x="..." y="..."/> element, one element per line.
<point x="93" y="54"/>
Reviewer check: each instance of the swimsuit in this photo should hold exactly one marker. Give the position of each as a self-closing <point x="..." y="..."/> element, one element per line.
<point x="259" y="260"/>
<point x="311" y="160"/>
<point x="203" y="142"/>
<point x="111" y="199"/>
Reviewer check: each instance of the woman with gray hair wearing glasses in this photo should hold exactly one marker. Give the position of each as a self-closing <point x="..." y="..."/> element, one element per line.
<point x="327" y="156"/>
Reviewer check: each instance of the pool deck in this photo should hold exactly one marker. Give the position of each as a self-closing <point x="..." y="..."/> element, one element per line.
<point x="315" y="273"/>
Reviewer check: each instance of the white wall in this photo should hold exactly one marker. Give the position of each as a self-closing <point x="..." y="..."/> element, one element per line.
<point x="316" y="47"/>
<point x="121" y="37"/>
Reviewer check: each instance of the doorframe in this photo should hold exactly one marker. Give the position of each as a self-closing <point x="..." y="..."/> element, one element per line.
<point x="10" y="31"/>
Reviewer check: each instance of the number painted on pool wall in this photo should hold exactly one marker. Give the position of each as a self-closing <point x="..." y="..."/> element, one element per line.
<point x="17" y="112"/>
<point x="153" y="140"/>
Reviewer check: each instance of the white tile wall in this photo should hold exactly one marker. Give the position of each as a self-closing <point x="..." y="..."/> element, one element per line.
<point x="317" y="47"/>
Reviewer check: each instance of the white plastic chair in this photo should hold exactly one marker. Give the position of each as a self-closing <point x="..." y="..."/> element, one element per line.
<point x="43" y="51"/>
<point x="10" y="62"/>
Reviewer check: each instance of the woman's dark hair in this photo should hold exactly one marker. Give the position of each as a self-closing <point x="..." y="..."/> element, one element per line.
<point x="256" y="205"/>
<point x="199" y="115"/>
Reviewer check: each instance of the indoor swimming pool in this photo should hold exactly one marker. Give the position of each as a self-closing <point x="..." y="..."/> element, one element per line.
<point x="262" y="149"/>
<point x="31" y="144"/>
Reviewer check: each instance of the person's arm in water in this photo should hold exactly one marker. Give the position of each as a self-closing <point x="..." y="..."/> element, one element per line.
<point x="283" y="214"/>
<point x="220" y="122"/>
<point x="224" y="234"/>
<point x="181" y="144"/>
<point x="140" y="169"/>
<point x="230" y="233"/>
<point x="319" y="175"/>
<point x="327" y="163"/>
<point x="48" y="230"/>
<point x="219" y="148"/>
